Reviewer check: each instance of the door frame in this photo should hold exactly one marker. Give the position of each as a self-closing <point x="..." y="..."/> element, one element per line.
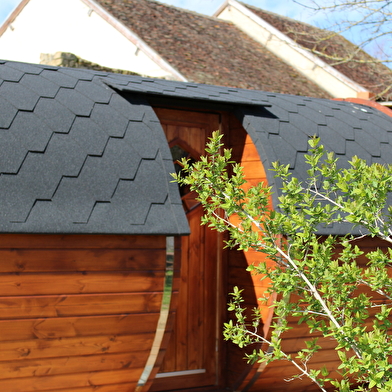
<point x="193" y="118"/>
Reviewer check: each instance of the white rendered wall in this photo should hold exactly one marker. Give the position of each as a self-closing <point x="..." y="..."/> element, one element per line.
<point x="49" y="26"/>
<point x="313" y="68"/>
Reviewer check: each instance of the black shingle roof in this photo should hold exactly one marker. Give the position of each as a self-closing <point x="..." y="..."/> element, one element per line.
<point x="77" y="157"/>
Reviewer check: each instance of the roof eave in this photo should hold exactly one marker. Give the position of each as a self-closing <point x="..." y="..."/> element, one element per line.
<point x="13" y="16"/>
<point x="136" y="40"/>
<point x="287" y="40"/>
<point x="221" y="8"/>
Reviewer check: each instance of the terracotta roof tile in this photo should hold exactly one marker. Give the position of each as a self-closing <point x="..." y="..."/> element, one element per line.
<point x="209" y="50"/>
<point x="375" y="77"/>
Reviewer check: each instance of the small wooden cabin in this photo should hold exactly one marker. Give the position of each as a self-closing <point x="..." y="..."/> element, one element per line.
<point x="107" y="280"/>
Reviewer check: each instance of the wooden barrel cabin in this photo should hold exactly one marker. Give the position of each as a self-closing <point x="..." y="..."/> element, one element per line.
<point x="107" y="280"/>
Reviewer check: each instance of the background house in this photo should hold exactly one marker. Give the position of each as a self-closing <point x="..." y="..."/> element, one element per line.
<point x="313" y="52"/>
<point x="157" y="40"/>
<point x="91" y="228"/>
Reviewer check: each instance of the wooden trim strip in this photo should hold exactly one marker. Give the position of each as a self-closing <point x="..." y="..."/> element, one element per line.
<point x="163" y="316"/>
<point x="181" y="373"/>
<point x="13" y="16"/>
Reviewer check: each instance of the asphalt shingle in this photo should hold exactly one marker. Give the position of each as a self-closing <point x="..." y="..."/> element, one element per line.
<point x="19" y="96"/>
<point x="79" y="162"/>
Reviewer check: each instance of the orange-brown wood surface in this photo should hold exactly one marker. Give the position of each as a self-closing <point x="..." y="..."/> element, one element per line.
<point x="78" y="312"/>
<point x="70" y="381"/>
<point x="191" y="345"/>
<point x="239" y="373"/>
<point x="79" y="346"/>
<point x="274" y="376"/>
<point x="64" y="260"/>
<point x="80" y="282"/>
<point x="126" y="387"/>
<point x="78" y="305"/>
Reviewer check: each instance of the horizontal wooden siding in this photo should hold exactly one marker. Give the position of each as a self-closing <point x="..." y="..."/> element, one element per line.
<point x="78" y="312"/>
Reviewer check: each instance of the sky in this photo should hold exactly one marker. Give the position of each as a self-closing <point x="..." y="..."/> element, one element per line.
<point x="282" y="7"/>
<point x="289" y="8"/>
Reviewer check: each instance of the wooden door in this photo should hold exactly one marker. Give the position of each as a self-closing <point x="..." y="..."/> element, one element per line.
<point x="191" y="359"/>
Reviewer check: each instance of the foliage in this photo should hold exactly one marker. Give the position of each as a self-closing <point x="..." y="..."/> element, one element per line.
<point x="323" y="275"/>
<point x="366" y="56"/>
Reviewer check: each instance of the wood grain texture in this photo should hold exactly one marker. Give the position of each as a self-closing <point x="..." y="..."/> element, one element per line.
<point x="81" y="241"/>
<point x="192" y="342"/>
<point x="78" y="305"/>
<point x="124" y="387"/>
<point x="240" y="373"/>
<point x="52" y="283"/>
<point x="53" y="328"/>
<point x="69" y="381"/>
<point x="75" y="346"/>
<point x="78" y="313"/>
<point x="71" y="365"/>
<point x="70" y="260"/>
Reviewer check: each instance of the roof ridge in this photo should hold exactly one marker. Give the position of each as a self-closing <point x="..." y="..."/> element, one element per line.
<point x="287" y="18"/>
<point x="182" y="9"/>
<point x="281" y="34"/>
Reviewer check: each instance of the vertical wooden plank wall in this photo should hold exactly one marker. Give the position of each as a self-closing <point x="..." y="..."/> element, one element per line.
<point x="77" y="312"/>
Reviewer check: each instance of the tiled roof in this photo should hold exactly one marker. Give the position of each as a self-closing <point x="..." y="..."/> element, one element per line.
<point x="375" y="77"/>
<point x="208" y="50"/>
<point x="77" y="157"/>
<point x="345" y="128"/>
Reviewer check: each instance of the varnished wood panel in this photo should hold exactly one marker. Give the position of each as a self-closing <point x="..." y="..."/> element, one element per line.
<point x="69" y="381"/>
<point x="183" y="383"/>
<point x="125" y="387"/>
<point x="75" y="346"/>
<point x="81" y="241"/>
<point x="78" y="312"/>
<point x="71" y="365"/>
<point x="80" y="282"/>
<point x="192" y="343"/>
<point x="78" y="305"/>
<point x="66" y="260"/>
<point x="240" y="276"/>
<point x="239" y="372"/>
<point x="52" y="328"/>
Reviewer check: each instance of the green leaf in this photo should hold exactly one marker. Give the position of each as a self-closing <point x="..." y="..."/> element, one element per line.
<point x="319" y="282"/>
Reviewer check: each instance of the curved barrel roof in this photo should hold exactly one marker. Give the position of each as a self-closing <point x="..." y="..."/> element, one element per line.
<point x="77" y="157"/>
